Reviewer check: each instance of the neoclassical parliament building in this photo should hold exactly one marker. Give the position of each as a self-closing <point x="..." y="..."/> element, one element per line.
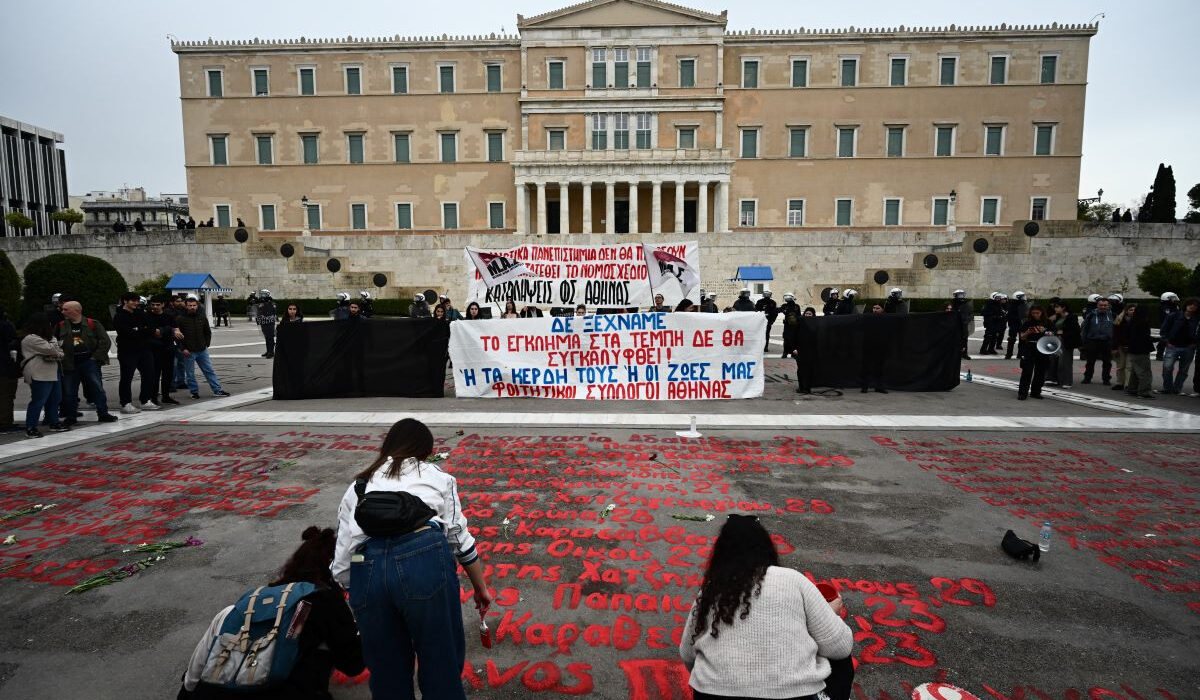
<point x="617" y="116"/>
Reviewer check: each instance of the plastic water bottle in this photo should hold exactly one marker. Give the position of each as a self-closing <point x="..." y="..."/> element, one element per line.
<point x="1044" y="537"/>
<point x="969" y="377"/>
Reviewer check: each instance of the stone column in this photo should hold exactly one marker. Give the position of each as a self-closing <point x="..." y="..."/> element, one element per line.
<point x="587" y="207"/>
<point x="633" y="207"/>
<point x="702" y="208"/>
<point x="522" y="208"/>
<point x="564" y="207"/>
<point x="678" y="207"/>
<point x="656" y="207"/>
<point x="541" y="208"/>
<point x="610" y="219"/>
<point x="722" y="207"/>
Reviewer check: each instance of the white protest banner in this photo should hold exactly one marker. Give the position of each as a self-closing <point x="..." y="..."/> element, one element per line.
<point x="639" y="356"/>
<point x="613" y="276"/>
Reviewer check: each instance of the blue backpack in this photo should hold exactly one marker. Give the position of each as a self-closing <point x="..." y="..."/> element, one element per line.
<point x="258" y="642"/>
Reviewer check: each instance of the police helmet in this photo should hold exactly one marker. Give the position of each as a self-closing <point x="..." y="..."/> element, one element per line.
<point x="850" y="293"/>
<point x="418" y="297"/>
<point x="896" y="292"/>
<point x="264" y="293"/>
<point x="789" y="297"/>
<point x="365" y="294"/>
<point x="745" y="291"/>
<point x="766" y="293"/>
<point x="55" y="297"/>
<point x="142" y="301"/>
<point x="1169" y="296"/>
<point x="1018" y="294"/>
<point x="342" y="296"/>
<point x="712" y="295"/>
<point x="959" y="293"/>
<point x="1093" y="298"/>
<point x="1116" y="297"/>
<point x="995" y="295"/>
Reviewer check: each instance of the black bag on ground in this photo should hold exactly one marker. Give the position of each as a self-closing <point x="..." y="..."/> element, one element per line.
<point x="387" y="513"/>
<point x="1018" y="548"/>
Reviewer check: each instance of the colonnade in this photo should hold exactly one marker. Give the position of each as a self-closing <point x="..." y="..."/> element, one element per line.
<point x="675" y="224"/>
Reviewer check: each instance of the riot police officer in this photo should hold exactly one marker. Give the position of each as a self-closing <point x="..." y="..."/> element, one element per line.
<point x="790" y="311"/>
<point x="1168" y="304"/>
<point x="962" y="306"/>
<point x="846" y="307"/>
<point x="1017" y="312"/>
<point x="743" y="302"/>
<point x="831" y="305"/>
<point x="366" y="306"/>
<point x="767" y="305"/>
<point x="993" y="324"/>
<point x="895" y="303"/>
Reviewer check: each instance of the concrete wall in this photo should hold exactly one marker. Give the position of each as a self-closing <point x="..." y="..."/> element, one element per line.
<point x="1065" y="257"/>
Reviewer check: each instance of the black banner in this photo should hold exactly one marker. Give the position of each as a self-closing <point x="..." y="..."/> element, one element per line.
<point x="347" y="359"/>
<point x="911" y="352"/>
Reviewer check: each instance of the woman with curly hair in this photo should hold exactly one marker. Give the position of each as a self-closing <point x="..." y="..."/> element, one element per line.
<point x="760" y="630"/>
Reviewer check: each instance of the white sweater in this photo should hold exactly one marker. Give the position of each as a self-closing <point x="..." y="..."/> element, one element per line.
<point x="780" y="651"/>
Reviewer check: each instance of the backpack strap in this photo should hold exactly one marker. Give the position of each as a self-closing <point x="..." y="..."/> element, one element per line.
<point x="360" y="488"/>
<point x="244" y="633"/>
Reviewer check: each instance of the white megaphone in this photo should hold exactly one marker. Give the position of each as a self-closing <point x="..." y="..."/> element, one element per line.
<point x="1049" y="345"/>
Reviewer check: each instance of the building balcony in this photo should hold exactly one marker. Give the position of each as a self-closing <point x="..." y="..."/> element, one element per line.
<point x="638" y="156"/>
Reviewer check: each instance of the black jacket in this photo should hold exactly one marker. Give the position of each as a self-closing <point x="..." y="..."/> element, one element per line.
<point x="892" y="305"/>
<point x="8" y="343"/>
<point x="1139" y="338"/>
<point x="134" y="331"/>
<point x="769" y="307"/>
<point x="197" y="334"/>
<point x="993" y="314"/>
<point x="743" y="304"/>
<point x="830" y="307"/>
<point x="164" y="323"/>
<point x="1070" y="332"/>
<point x="845" y="307"/>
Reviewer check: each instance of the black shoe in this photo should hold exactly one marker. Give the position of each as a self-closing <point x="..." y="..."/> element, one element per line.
<point x="181" y="385"/>
<point x="965" y="356"/>
<point x="803" y="391"/>
<point x="1145" y="396"/>
<point x="69" y="422"/>
<point x="1107" y="382"/>
<point x="33" y="433"/>
<point x="58" y="428"/>
<point x="195" y="394"/>
<point x="269" y="355"/>
<point x="222" y="393"/>
<point x="1118" y="387"/>
<point x="265" y="354"/>
<point x="1021" y="397"/>
<point x="106" y="418"/>
<point x="169" y="400"/>
<point x="1008" y="357"/>
<point x="1086" y="381"/>
<point x="865" y="390"/>
<point x="1036" y="396"/>
<point x="881" y="391"/>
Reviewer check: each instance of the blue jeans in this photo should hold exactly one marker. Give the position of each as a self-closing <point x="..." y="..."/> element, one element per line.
<point x="1172" y="355"/>
<point x="405" y="596"/>
<point x="43" y="395"/>
<point x="189" y="371"/>
<point x="178" y="366"/>
<point x="88" y="372"/>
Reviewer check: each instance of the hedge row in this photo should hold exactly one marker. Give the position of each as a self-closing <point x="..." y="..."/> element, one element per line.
<point x="320" y="308"/>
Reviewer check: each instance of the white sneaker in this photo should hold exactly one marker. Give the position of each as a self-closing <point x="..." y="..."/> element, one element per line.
<point x="150" y="406"/>
<point x="130" y="409"/>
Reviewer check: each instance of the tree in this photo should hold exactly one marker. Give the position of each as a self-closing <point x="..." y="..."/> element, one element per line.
<point x="1096" y="211"/>
<point x="87" y="279"/>
<point x="70" y="217"/>
<point x="1164" y="276"/>
<point x="18" y="220"/>
<point x="1163" y="210"/>
<point x="10" y="285"/>
<point x="155" y="286"/>
<point x="1193" y="216"/>
<point x="1193" y="289"/>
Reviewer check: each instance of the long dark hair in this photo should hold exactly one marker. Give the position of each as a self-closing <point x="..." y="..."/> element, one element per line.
<point x="740" y="558"/>
<point x="310" y="562"/>
<point x="39" y="325"/>
<point x="472" y="305"/>
<point x="684" y="305"/>
<point x="510" y="305"/>
<point x="1041" y="312"/>
<point x="407" y="438"/>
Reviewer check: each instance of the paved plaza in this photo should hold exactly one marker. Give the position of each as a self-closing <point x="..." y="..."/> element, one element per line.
<point x="900" y="500"/>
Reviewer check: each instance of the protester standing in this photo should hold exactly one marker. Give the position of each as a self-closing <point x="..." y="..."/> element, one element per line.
<point x="800" y="341"/>
<point x="1097" y="332"/>
<point x="1179" y="331"/>
<point x="962" y="306"/>
<point x="1120" y="346"/>
<point x="1033" y="362"/>
<point x="134" y="331"/>
<point x="85" y="346"/>
<point x="473" y="311"/>
<point x="1065" y="325"/>
<point x="197" y="336"/>
<point x="1017" y="311"/>
<point x="42" y="353"/>
<point x="1141" y="378"/>
<point x="162" y="347"/>
<point x="267" y="320"/>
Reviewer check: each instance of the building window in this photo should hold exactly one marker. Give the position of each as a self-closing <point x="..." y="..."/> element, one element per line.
<point x="1049" y="69"/>
<point x="308" y="144"/>
<point x="749" y="143"/>
<point x="687" y="137"/>
<point x="495" y="214"/>
<point x="994" y="141"/>
<point x="554" y="71"/>
<point x="621" y="68"/>
<point x="687" y="72"/>
<point x="797" y="143"/>
<point x="495" y="146"/>
<point x="314" y="216"/>
<point x="644" y="54"/>
<point x="749" y="211"/>
<point x="493" y="77"/>
<point x="899" y="74"/>
<point x="404" y="215"/>
<point x="266" y="217"/>
<point x="599" y="68"/>
<point x="941" y="211"/>
<point x="219" y="150"/>
<point x="621" y="131"/>
<point x="845" y="212"/>
<point x="358" y="216"/>
<point x="448" y="146"/>
<point x="262" y="82"/>
<point x="353" y="80"/>
<point x="891" y="212"/>
<point x="1044" y="140"/>
<point x="399" y="80"/>
<point x="449" y="215"/>
<point x="999" y="72"/>
<point x="308" y="81"/>
<point x="895" y="142"/>
<point x="354" y="147"/>
<point x="557" y="139"/>
<point x="222" y="215"/>
<point x="1038" y="207"/>
<point x="949" y="70"/>
<point x="266" y="149"/>
<point x="401" y="144"/>
<point x="944" y="143"/>
<point x="795" y="212"/>
<point x="749" y="73"/>
<point x="989" y="211"/>
<point x="849" y="72"/>
<point x="799" y="72"/>
<point x="216" y="82"/>
<point x="599" y="131"/>
<point x="643" y="135"/>
<point x="847" y="135"/>
<point x="445" y="79"/>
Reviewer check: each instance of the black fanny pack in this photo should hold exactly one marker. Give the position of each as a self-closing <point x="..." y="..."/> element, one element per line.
<point x="388" y="513"/>
<point x="1018" y="548"/>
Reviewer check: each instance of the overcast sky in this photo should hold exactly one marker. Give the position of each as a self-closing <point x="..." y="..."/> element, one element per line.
<point x="102" y="73"/>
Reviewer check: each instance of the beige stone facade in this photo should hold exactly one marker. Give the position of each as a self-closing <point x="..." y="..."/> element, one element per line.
<point x="638" y="116"/>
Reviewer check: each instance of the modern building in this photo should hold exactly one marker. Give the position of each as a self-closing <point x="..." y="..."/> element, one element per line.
<point x="33" y="177"/>
<point x="642" y="116"/>
<point x="104" y="209"/>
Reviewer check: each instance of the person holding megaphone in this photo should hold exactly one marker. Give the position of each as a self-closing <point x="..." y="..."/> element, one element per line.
<point x="1033" y="362"/>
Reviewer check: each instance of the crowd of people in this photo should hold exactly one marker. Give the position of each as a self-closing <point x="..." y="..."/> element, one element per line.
<point x="382" y="593"/>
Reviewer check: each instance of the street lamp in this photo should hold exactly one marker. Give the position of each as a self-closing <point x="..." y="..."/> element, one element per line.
<point x="950" y="211"/>
<point x="304" y="226"/>
<point x="167" y="202"/>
